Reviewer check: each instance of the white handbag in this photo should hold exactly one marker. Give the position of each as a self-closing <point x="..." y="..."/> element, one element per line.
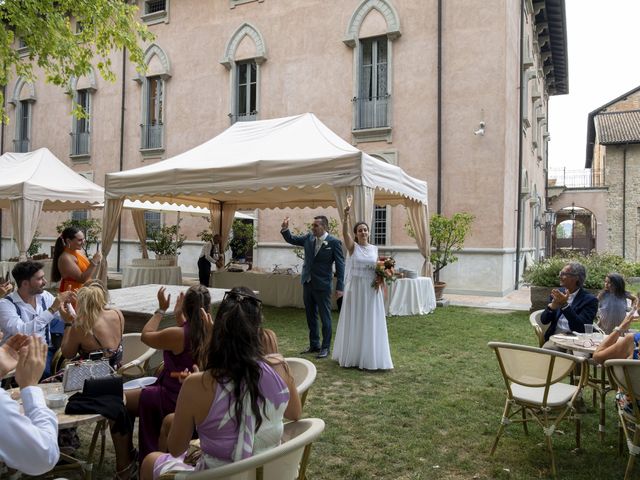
<point x="77" y="372"/>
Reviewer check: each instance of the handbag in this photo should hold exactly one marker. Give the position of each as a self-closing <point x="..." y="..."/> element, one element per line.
<point x="109" y="385"/>
<point x="77" y="372"/>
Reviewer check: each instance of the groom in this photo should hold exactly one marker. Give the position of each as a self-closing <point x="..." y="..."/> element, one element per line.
<point x="321" y="251"/>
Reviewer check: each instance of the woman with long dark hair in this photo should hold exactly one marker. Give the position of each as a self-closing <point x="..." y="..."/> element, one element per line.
<point x="184" y="346"/>
<point x="237" y="404"/>
<point x="70" y="266"/>
<point x="613" y="302"/>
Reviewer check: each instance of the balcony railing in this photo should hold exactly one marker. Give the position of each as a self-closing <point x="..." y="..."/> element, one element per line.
<point x="21" y="145"/>
<point x="584" y="178"/>
<point x="243" y="117"/>
<point x="371" y="112"/>
<point x="80" y="143"/>
<point x="152" y="136"/>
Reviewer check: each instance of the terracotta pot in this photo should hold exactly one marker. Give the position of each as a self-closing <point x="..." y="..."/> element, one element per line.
<point x="439" y="287"/>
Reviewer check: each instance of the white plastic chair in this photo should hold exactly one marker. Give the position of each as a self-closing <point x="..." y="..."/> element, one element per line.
<point x="287" y="461"/>
<point x="538" y="326"/>
<point x="535" y="390"/>
<point x="304" y="373"/>
<point x="625" y="375"/>
<point x="135" y="355"/>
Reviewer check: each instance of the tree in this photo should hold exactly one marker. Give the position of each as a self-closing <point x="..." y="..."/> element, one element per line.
<point x="447" y="237"/>
<point x="47" y="34"/>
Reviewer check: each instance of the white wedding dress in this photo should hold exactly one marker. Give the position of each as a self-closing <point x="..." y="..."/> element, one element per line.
<point x="361" y="338"/>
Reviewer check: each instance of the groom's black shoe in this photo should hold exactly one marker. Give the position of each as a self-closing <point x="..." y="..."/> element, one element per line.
<point x="310" y="350"/>
<point x="323" y="353"/>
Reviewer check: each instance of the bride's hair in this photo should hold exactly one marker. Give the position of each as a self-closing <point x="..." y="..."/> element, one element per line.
<point x="355" y="227"/>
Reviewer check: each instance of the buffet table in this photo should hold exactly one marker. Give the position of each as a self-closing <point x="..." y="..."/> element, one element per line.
<point x="133" y="275"/>
<point x="411" y="296"/>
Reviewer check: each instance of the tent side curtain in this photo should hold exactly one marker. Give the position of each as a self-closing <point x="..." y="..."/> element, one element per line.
<point x="361" y="206"/>
<point x="228" y="214"/>
<point x="419" y="218"/>
<point x="140" y="224"/>
<point x="110" y="219"/>
<point x="25" y="215"/>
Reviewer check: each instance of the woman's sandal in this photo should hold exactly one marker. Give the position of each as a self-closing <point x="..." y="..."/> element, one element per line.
<point x="130" y="472"/>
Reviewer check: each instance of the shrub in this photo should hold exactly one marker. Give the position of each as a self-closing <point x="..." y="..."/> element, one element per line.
<point x="167" y="240"/>
<point x="598" y="265"/>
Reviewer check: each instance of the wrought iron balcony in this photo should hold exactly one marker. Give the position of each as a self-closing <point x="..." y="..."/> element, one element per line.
<point x="583" y="178"/>
<point x="371" y="112"/>
<point x="151" y="136"/>
<point x="243" y="117"/>
<point x="80" y="143"/>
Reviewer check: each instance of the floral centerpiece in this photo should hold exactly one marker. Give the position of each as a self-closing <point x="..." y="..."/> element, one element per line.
<point x="385" y="273"/>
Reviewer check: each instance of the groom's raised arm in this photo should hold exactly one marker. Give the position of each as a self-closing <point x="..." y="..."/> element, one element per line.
<point x="297" y="240"/>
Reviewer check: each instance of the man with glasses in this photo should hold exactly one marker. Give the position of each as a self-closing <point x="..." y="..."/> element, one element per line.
<point x="571" y="307"/>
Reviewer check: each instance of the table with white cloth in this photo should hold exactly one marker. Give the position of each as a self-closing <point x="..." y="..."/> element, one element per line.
<point x="133" y="275"/>
<point x="411" y="296"/>
<point x="275" y="289"/>
<point x="138" y="303"/>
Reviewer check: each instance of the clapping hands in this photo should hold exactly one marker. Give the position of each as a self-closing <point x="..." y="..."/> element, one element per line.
<point x="164" y="300"/>
<point x="9" y="352"/>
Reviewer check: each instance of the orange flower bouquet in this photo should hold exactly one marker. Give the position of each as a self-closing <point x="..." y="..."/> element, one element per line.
<point x="384" y="271"/>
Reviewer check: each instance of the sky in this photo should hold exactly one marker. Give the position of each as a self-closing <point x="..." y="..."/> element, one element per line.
<point x="603" y="41"/>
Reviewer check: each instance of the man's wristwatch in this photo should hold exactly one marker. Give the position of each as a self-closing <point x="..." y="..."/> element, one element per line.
<point x="160" y="311"/>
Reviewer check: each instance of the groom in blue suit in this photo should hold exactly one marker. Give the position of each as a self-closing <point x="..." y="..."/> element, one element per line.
<point x="321" y="251"/>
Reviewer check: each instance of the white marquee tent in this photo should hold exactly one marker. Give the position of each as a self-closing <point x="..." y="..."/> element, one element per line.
<point x="38" y="181"/>
<point x="285" y="162"/>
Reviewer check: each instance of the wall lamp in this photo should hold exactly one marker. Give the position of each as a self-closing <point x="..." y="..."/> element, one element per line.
<point x="548" y="220"/>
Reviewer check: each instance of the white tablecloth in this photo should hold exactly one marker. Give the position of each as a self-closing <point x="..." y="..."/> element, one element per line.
<point x="411" y="296"/>
<point x="8" y="266"/>
<point x="132" y="276"/>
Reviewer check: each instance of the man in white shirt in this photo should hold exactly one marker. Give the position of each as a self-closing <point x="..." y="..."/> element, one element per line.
<point x="209" y="256"/>
<point x="29" y="442"/>
<point x="32" y="310"/>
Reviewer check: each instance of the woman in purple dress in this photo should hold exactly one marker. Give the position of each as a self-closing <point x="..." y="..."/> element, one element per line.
<point x="237" y="404"/>
<point x="184" y="346"/>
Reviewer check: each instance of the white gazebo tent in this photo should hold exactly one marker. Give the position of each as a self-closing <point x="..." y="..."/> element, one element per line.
<point x="38" y="181"/>
<point x="285" y="162"/>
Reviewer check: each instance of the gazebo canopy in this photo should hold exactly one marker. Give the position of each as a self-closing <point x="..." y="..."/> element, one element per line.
<point x="36" y="181"/>
<point x="285" y="162"/>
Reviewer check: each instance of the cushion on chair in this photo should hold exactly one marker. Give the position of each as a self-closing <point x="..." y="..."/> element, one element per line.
<point x="559" y="394"/>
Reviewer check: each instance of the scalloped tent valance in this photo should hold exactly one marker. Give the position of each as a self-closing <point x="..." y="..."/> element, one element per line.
<point x="285" y="162"/>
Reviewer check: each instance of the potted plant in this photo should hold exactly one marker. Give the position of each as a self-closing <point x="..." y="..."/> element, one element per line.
<point x="166" y="242"/>
<point x="243" y="240"/>
<point x="447" y="238"/>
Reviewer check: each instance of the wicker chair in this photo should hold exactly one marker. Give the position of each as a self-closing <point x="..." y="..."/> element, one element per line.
<point x="535" y="391"/>
<point x="538" y="327"/>
<point x="135" y="356"/>
<point x="304" y="373"/>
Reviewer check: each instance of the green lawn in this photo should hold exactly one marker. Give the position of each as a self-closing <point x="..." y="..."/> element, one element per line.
<point x="436" y="414"/>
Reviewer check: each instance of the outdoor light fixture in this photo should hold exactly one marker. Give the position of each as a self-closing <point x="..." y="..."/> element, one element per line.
<point x="548" y="220"/>
<point x="572" y="212"/>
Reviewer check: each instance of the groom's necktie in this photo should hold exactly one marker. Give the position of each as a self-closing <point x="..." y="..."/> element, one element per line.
<point x="318" y="245"/>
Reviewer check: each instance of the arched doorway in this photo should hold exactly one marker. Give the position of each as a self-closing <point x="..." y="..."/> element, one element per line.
<point x="575" y="231"/>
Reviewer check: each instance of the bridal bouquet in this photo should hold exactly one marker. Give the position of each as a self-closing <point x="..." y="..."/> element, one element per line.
<point x="384" y="271"/>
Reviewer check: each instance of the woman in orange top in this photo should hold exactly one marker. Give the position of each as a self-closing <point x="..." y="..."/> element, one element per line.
<point x="70" y="266"/>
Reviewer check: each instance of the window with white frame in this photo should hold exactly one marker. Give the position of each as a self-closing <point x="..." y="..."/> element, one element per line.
<point x="379" y="226"/>
<point x="80" y="134"/>
<point x="153" y="221"/>
<point x="152" y="128"/>
<point x="23" y="126"/>
<point x="373" y="101"/>
<point x="79" y="215"/>
<point x="246" y="91"/>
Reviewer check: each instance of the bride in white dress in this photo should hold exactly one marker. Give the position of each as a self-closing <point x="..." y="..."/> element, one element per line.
<point x="361" y="338"/>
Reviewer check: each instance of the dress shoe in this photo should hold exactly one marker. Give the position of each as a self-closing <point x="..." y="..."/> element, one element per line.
<point x="323" y="353"/>
<point x="310" y="350"/>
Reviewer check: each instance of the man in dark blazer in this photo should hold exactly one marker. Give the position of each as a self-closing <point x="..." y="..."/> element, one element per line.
<point x="321" y="251"/>
<point x="571" y="307"/>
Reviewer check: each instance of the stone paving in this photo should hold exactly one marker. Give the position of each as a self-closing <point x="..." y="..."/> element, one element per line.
<point x="516" y="300"/>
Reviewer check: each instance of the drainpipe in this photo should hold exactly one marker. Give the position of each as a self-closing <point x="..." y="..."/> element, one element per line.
<point x="518" y="202"/>
<point x="4" y="103"/>
<point x="439" y="113"/>
<point x="121" y="166"/>
<point x="624" y="200"/>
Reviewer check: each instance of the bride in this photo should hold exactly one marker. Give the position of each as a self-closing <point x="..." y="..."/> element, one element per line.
<point x="361" y="338"/>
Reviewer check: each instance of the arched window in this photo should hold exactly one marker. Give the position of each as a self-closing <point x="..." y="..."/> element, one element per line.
<point x="244" y="53"/>
<point x="24" y="96"/>
<point x="153" y="99"/>
<point x="372" y="28"/>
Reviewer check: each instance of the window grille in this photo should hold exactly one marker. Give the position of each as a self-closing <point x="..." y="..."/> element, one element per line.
<point x="153" y="221"/>
<point x="379" y="227"/>
<point x="153" y="6"/>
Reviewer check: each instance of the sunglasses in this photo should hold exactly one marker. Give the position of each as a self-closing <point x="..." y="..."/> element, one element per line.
<point x="566" y="274"/>
<point x="241" y="297"/>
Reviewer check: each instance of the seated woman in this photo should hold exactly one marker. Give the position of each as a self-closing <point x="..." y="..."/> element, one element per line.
<point x="616" y="346"/>
<point x="184" y="346"/>
<point x="70" y="267"/>
<point x="237" y="404"/>
<point x="95" y="328"/>
<point x="612" y="302"/>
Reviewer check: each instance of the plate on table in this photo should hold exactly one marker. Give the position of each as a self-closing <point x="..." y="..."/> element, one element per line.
<point x="139" y="383"/>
